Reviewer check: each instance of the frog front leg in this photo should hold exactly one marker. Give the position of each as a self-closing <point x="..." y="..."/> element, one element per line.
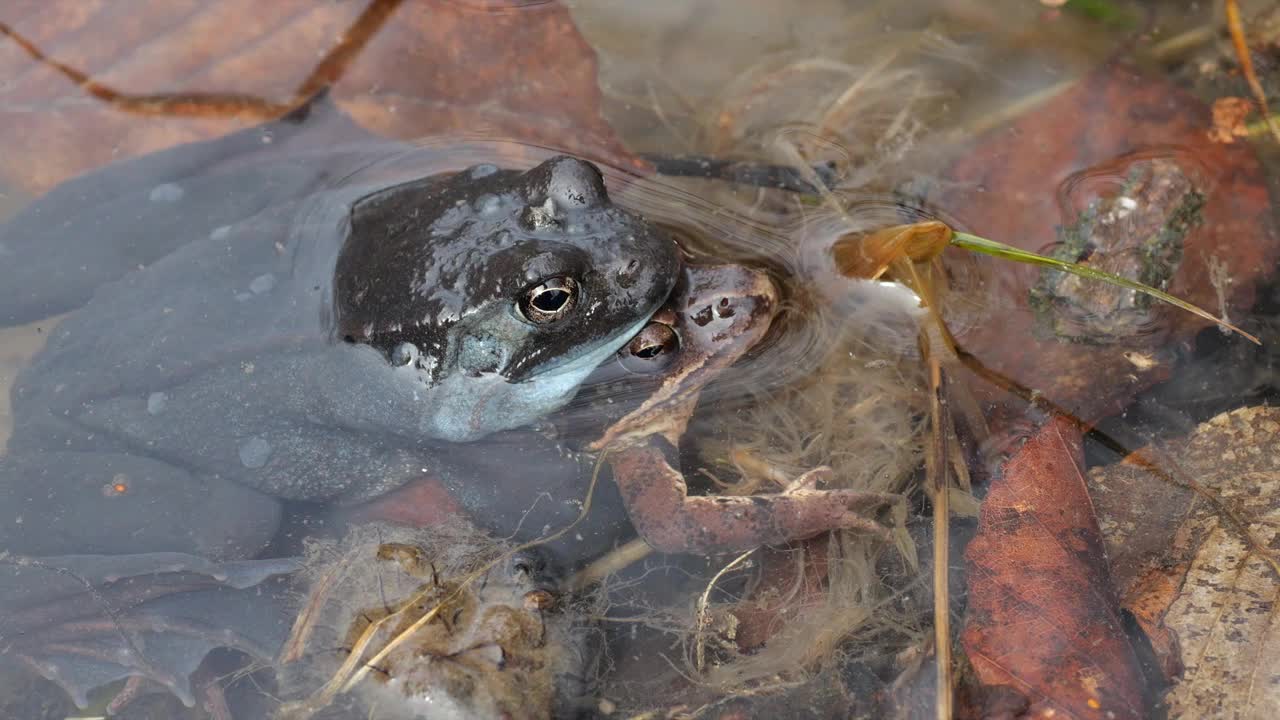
<point x="671" y="521"/>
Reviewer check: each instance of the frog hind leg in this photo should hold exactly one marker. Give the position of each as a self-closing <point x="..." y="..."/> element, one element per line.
<point x="57" y="503"/>
<point x="671" y="521"/>
<point x="84" y="621"/>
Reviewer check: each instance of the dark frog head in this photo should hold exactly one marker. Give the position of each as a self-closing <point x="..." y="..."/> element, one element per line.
<point x="492" y="294"/>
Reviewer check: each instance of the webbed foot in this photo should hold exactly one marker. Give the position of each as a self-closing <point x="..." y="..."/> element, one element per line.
<point x="84" y="621"/>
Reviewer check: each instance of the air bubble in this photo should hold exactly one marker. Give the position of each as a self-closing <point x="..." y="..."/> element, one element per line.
<point x="262" y="284"/>
<point x="255" y="453"/>
<point x="156" y="403"/>
<point x="167" y="193"/>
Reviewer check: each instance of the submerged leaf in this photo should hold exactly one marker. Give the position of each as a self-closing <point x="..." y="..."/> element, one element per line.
<point x="92" y="83"/>
<point x="1000" y="250"/>
<point x="1196" y="565"/>
<point x="1042" y="617"/>
<point x="1029" y="183"/>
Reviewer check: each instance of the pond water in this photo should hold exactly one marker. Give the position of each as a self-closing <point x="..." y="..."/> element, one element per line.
<point x="348" y="415"/>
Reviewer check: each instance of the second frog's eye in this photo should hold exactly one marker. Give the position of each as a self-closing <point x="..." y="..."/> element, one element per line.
<point x="652" y="350"/>
<point x="549" y="300"/>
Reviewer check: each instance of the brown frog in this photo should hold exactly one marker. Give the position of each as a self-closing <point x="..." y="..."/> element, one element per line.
<point x="645" y="398"/>
<point x="721" y="313"/>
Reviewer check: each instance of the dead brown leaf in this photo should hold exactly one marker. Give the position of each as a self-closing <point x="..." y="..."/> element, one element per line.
<point x="1204" y="588"/>
<point x="1042" y="617"/>
<point x="1228" y="119"/>
<point x="156" y="74"/>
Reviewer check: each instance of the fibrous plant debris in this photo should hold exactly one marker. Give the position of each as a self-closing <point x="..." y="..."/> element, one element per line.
<point x="442" y="619"/>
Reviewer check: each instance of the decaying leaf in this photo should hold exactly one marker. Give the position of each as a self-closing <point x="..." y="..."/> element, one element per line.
<point x="1229" y="115"/>
<point x="158" y="74"/>
<point x="1042" y="617"/>
<point x="1081" y="152"/>
<point x="1206" y="592"/>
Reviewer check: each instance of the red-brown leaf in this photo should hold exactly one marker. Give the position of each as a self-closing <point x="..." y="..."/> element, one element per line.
<point x="1007" y="188"/>
<point x="403" y="68"/>
<point x="1042" y="616"/>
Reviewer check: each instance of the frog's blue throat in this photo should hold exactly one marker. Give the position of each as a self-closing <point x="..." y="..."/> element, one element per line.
<point x="467" y="408"/>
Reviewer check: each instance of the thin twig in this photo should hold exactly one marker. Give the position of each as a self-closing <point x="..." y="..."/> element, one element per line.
<point x="939" y="489"/>
<point x="1236" y="26"/>
<point x="621" y="557"/>
<point x="701" y="615"/>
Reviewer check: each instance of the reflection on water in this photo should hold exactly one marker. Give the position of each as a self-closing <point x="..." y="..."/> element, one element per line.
<point x="206" y="358"/>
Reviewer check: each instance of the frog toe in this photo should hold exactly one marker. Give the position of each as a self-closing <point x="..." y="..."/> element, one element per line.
<point x="84" y="621"/>
<point x="811" y="479"/>
<point x="857" y="506"/>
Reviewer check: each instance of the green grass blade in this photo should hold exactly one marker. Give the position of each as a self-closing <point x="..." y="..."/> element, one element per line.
<point x="1102" y="11"/>
<point x="1000" y="250"/>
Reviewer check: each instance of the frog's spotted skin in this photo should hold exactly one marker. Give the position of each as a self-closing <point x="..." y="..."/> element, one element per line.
<point x="721" y="314"/>
<point x="307" y="326"/>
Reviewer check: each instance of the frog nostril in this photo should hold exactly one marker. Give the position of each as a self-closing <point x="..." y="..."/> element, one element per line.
<point x="629" y="273"/>
<point x="703" y="317"/>
<point x="725" y="308"/>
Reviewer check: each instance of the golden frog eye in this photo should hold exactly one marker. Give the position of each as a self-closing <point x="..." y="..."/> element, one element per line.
<point x="550" y="300"/>
<point x="652" y="350"/>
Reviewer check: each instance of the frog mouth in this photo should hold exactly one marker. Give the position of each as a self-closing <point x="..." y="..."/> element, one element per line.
<point x="553" y="388"/>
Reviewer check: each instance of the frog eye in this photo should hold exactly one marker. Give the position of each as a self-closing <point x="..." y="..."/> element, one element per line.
<point x="652" y="350"/>
<point x="403" y="354"/>
<point x="549" y="301"/>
